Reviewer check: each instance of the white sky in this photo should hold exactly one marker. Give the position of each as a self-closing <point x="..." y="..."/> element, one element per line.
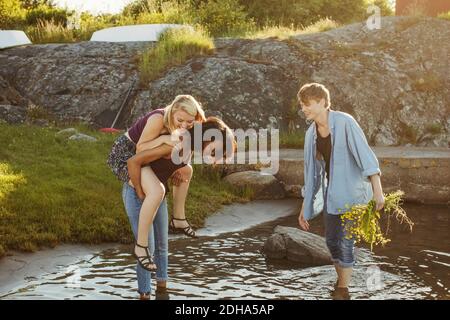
<point x="94" y="6"/>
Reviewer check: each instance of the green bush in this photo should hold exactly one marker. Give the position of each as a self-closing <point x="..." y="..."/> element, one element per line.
<point x="48" y="14"/>
<point x="287" y="32"/>
<point x="298" y="13"/>
<point x="444" y="15"/>
<point x="138" y="7"/>
<point x="223" y="18"/>
<point x="11" y="14"/>
<point x="50" y="32"/>
<point x="174" y="47"/>
<point x="385" y="6"/>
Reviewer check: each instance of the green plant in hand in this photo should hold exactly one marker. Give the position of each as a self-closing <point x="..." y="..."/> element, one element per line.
<point x="362" y="222"/>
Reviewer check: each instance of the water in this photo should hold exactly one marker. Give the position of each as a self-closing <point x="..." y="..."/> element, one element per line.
<point x="231" y="266"/>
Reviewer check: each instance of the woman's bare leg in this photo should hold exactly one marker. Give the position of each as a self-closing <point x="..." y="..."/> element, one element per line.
<point x="154" y="193"/>
<point x="179" y="197"/>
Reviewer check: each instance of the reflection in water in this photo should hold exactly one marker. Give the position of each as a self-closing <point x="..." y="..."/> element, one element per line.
<point x="231" y="266"/>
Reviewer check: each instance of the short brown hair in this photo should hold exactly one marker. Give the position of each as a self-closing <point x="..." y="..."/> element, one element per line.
<point x="314" y="91"/>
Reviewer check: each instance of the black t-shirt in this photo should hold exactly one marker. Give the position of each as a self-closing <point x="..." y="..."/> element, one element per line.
<point x="324" y="147"/>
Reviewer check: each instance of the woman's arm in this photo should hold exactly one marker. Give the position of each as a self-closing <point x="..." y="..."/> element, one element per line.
<point x="377" y="191"/>
<point x="136" y="162"/>
<point x="151" y="136"/>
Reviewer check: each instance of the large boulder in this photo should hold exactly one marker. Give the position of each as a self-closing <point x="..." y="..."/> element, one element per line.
<point x="12" y="114"/>
<point x="85" y="81"/>
<point x="243" y="92"/>
<point x="298" y="246"/>
<point x="264" y="186"/>
<point x="304" y="248"/>
<point x="394" y="80"/>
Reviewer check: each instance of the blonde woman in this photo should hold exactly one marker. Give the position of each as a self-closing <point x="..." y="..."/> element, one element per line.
<point x="148" y="132"/>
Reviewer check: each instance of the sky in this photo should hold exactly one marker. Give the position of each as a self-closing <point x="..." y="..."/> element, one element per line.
<point x="93" y="6"/>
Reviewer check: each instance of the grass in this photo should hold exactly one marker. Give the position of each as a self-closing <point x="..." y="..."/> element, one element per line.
<point x="50" y="32"/>
<point x="292" y="140"/>
<point x="54" y="191"/>
<point x="434" y="128"/>
<point x="444" y="15"/>
<point x="174" y="47"/>
<point x="283" y="33"/>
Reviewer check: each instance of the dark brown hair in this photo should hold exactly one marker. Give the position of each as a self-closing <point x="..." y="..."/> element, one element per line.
<point x="214" y="123"/>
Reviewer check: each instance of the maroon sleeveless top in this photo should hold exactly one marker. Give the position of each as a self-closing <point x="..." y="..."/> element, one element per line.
<point x="164" y="168"/>
<point x="136" y="130"/>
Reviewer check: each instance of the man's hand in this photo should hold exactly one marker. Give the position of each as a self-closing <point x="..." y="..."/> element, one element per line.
<point x="302" y="222"/>
<point x="139" y="192"/>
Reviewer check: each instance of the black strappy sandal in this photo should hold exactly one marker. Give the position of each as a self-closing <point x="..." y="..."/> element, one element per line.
<point x="186" y="230"/>
<point x="144" y="261"/>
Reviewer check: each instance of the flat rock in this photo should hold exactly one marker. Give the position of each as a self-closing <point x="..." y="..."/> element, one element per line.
<point x="297" y="245"/>
<point x="265" y="186"/>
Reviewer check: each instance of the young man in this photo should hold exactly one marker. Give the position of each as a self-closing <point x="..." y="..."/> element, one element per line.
<point x="340" y="169"/>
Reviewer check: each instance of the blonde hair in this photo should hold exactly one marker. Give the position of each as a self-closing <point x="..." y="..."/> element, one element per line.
<point x="314" y="91"/>
<point x="188" y="104"/>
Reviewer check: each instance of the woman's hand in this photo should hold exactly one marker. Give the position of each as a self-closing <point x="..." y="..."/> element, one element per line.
<point x="179" y="178"/>
<point x="377" y="192"/>
<point x="302" y="222"/>
<point x="379" y="200"/>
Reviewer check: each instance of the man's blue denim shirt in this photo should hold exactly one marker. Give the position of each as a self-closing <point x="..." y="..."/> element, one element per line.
<point x="352" y="163"/>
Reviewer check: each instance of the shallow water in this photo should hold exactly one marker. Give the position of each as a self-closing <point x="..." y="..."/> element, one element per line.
<point x="230" y="266"/>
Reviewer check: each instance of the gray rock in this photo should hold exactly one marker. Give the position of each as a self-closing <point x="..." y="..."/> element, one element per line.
<point x="82" y="137"/>
<point x="298" y="246"/>
<point x="65" y="134"/>
<point x="394" y="81"/>
<point x="265" y="186"/>
<point x="293" y="190"/>
<point x="12" y="114"/>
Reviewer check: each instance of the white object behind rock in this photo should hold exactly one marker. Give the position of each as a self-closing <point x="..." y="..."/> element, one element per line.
<point x="140" y="32"/>
<point x="12" y="38"/>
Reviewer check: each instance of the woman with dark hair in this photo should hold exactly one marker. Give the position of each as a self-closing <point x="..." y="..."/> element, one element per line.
<point x="160" y="162"/>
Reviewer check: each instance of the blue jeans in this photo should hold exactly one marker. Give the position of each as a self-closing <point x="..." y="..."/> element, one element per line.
<point x="157" y="237"/>
<point x="341" y="248"/>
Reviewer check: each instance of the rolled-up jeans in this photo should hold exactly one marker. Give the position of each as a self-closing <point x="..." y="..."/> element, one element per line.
<point x="157" y="237"/>
<point x="341" y="248"/>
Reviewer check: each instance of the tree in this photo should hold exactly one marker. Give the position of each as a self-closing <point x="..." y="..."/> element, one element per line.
<point x="11" y="14"/>
<point x="33" y="4"/>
